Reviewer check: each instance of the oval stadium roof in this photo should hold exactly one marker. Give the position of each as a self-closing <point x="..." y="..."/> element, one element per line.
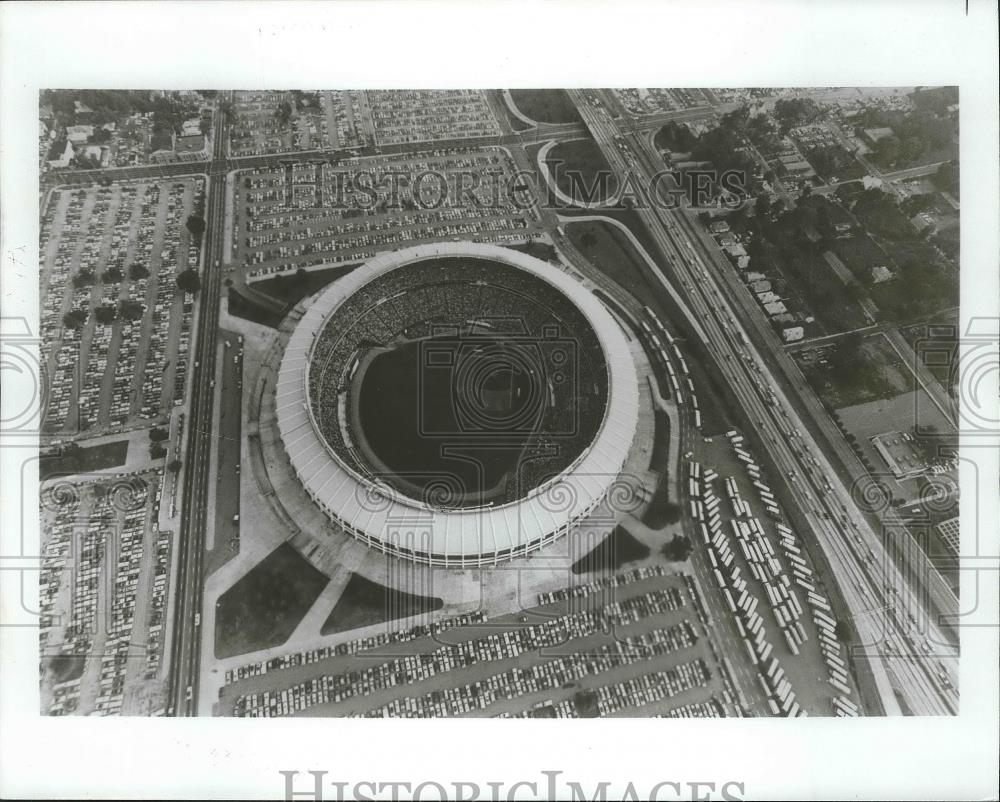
<point x="391" y="522"/>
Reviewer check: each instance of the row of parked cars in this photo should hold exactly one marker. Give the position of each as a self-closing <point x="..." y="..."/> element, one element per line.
<point x="492" y="647"/>
<point x="548" y="675"/>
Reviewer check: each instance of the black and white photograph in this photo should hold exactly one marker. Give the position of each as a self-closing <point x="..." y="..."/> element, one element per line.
<point x="353" y="400"/>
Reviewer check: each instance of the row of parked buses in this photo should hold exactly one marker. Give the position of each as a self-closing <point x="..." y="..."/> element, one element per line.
<point x="735" y="590"/>
<point x="781" y="697"/>
<point x="826" y="626"/>
<point x="782" y="588"/>
<point x="676" y="378"/>
<point x="753" y="470"/>
<point x="784" y="601"/>
<point x="844" y="707"/>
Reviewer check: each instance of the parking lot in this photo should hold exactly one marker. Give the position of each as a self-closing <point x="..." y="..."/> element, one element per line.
<point x="426" y="115"/>
<point x="306" y="214"/>
<point x="599" y="640"/>
<point x="771" y="595"/>
<point x="104" y="585"/>
<point x="315" y="120"/>
<point x="115" y="329"/>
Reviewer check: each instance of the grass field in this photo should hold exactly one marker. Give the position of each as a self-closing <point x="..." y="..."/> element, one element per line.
<point x="86" y="460"/>
<point x="410" y="419"/>
<point x="546" y="105"/>
<point x="242" y="307"/>
<point x="581" y="171"/>
<point x="937" y="345"/>
<point x="661" y="439"/>
<point x="882" y="375"/>
<point x="613" y="254"/>
<point x="612" y="553"/>
<point x="292" y="288"/>
<point x="661" y="511"/>
<point x="365" y="603"/>
<point x="611" y="251"/>
<point x="263" y="608"/>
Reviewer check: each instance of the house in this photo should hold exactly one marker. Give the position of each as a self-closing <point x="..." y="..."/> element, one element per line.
<point x="736" y="250"/>
<point x="873" y="135"/>
<point x="881" y="273"/>
<point x="60" y="154"/>
<point x="78" y="134"/>
<point x="101" y="154"/>
<point x="719" y="227"/>
<point x="760" y="286"/>
<point x="191" y="127"/>
<point x="743" y="262"/>
<point x="754" y="276"/>
<point x="775" y="308"/>
<point x="767" y="297"/>
<point x="792" y="333"/>
<point x="726" y="240"/>
<point x="162" y="156"/>
<point x="784" y="319"/>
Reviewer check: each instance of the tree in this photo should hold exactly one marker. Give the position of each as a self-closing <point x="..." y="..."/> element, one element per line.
<point x="196" y="225"/>
<point x="130" y="309"/>
<point x="946" y="178"/>
<point x="158" y="435"/>
<point x="105" y="314"/>
<point x="111" y="276"/>
<point x="84" y="278"/>
<point x="284" y="112"/>
<point x="795" y="112"/>
<point x="843" y="632"/>
<point x="174" y="466"/>
<point x="75" y="319"/>
<point x="886" y="151"/>
<point x="678" y="548"/>
<point x="137" y="271"/>
<point x="157" y="451"/>
<point x="205" y="126"/>
<point x="189" y="281"/>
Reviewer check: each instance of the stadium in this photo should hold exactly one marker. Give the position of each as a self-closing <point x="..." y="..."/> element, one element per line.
<point x="456" y="404"/>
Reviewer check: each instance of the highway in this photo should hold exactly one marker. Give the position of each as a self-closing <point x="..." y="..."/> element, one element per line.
<point x="878" y="597"/>
<point x="186" y="632"/>
<point x="943" y="603"/>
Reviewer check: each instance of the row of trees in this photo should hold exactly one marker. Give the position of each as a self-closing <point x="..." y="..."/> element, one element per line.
<point x="105" y="314"/>
<point x="127" y="309"/>
<point x="794" y="112"/>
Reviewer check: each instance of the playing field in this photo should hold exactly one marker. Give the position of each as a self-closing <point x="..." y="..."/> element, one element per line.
<point x="456" y="435"/>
